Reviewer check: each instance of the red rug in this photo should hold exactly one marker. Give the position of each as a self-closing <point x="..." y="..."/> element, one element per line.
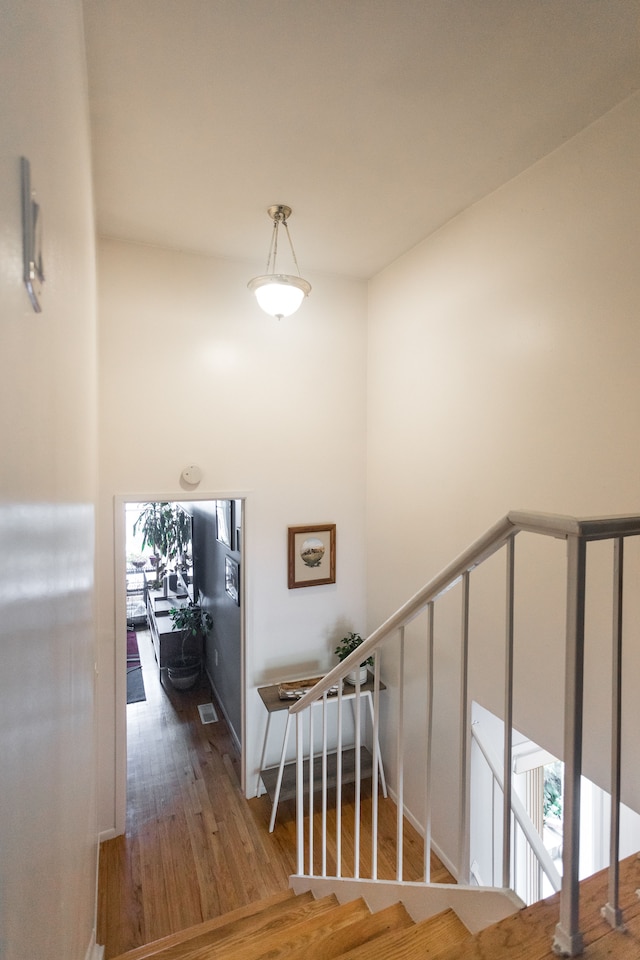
<point x="135" y="684"/>
<point x="133" y="654"/>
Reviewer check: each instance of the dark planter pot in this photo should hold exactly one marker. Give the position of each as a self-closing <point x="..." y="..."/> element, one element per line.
<point x="183" y="673"/>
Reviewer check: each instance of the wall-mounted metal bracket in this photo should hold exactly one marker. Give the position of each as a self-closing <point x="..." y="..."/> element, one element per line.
<point x="33" y="272"/>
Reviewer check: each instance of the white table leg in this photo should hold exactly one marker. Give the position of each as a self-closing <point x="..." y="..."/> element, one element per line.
<point x="276" y="795"/>
<point x="380" y="767"/>
<point x="264" y="753"/>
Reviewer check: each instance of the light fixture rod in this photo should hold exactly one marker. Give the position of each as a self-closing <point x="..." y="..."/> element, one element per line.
<point x="280" y="214"/>
<point x="273" y="247"/>
<point x="293" y="253"/>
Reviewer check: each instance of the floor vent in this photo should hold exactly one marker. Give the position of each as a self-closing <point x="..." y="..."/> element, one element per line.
<point x="207" y="712"/>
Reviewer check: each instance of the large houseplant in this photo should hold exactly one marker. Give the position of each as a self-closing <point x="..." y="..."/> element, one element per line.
<point x="166" y="530"/>
<point x="195" y="623"/>
<point x="346" y="646"/>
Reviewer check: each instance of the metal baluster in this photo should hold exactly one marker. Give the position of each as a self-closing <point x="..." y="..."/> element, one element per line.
<point x="300" y="793"/>
<point x="358" y="783"/>
<point x="324" y="785"/>
<point x="310" y="712"/>
<point x="465" y="735"/>
<point x="400" y="761"/>
<point x="339" y="786"/>
<point x="568" y="939"/>
<point x="429" y="738"/>
<point x="508" y="715"/>
<point x="515" y="828"/>
<point x="376" y="762"/>
<point x="493" y="829"/>
<point x="611" y="911"/>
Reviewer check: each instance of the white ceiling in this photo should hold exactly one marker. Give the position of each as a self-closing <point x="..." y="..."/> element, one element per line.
<point x="375" y="120"/>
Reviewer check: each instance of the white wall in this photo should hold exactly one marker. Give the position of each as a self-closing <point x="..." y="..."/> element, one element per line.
<point x="503" y="373"/>
<point x="48" y="837"/>
<point x="191" y="371"/>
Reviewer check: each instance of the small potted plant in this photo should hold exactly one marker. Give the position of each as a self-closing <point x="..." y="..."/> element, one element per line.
<point x="194" y="622"/>
<point x="346" y="646"/>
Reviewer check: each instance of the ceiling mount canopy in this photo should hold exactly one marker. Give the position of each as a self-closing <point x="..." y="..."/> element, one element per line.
<point x="279" y="294"/>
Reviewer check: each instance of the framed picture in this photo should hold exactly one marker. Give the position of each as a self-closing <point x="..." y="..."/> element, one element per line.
<point x="312" y="555"/>
<point x="223" y="521"/>
<point x="232" y="579"/>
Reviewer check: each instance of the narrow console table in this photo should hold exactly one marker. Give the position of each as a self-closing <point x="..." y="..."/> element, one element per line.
<point x="280" y="780"/>
<point x="167" y="642"/>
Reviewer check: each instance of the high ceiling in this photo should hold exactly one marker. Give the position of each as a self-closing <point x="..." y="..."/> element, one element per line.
<point x="375" y="120"/>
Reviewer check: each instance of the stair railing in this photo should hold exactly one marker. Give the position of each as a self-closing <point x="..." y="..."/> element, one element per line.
<point x="577" y="533"/>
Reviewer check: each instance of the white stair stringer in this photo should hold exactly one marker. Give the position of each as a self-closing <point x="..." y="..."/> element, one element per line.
<point x="477" y="907"/>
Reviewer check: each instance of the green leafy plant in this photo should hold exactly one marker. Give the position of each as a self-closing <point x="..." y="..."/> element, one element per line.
<point x="347" y="645"/>
<point x="166" y="530"/>
<point x="192" y="620"/>
<point x="553" y="791"/>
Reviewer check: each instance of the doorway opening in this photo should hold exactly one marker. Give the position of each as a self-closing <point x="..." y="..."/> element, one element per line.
<point x="205" y="572"/>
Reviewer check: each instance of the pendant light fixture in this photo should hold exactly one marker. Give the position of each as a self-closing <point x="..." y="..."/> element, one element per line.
<point x="279" y="294"/>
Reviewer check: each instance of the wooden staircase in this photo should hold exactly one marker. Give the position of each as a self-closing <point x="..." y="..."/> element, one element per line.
<point x="289" y="927"/>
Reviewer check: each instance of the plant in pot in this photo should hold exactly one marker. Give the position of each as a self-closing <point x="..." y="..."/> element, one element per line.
<point x="166" y="530"/>
<point x="195" y="623"/>
<point x="346" y="646"/>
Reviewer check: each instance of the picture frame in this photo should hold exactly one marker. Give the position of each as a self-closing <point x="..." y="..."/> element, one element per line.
<point x="237" y="524"/>
<point x="223" y="522"/>
<point x="232" y="579"/>
<point x="312" y="555"/>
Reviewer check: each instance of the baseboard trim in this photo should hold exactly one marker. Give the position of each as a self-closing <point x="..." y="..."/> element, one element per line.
<point x="220" y="704"/>
<point x="107" y="834"/>
<point x="477" y="907"/>
<point x="95" y="951"/>
<point x="440" y="854"/>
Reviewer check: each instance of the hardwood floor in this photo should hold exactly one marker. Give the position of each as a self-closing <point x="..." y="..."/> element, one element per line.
<point x="194" y="847"/>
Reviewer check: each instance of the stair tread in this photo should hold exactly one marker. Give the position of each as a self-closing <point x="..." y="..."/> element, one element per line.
<point x="288" y="927"/>
<point x="425" y="939"/>
<point x="624" y="945"/>
<point x="278" y="910"/>
<point x="297" y="940"/>
<point x="528" y="934"/>
<point x="333" y="943"/>
<point x="501" y="946"/>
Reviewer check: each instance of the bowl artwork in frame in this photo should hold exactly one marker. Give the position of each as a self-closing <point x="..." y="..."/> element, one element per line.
<point x="312" y="555"/>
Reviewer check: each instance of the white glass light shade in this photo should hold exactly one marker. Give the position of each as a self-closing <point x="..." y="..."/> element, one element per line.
<point x="279" y="294"/>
